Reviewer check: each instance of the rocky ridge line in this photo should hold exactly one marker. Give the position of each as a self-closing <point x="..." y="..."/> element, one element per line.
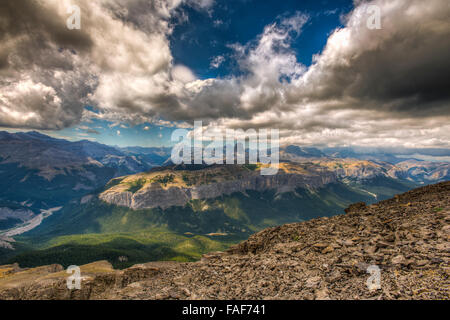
<point x="179" y="196"/>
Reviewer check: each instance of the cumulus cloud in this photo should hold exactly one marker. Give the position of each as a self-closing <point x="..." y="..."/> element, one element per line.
<point x="120" y="61"/>
<point x="42" y="82"/>
<point x="49" y="73"/>
<point x="368" y="87"/>
<point x="401" y="68"/>
<point x="387" y="86"/>
<point x="266" y="64"/>
<point x="182" y="74"/>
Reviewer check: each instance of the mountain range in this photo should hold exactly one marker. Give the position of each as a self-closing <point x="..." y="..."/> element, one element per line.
<point x="40" y="172"/>
<point x="76" y="202"/>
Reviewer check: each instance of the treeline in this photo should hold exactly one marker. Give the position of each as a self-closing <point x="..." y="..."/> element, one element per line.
<point x="73" y="254"/>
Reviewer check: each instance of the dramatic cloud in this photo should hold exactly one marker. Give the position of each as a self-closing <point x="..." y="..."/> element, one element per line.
<point x="120" y="61"/>
<point x="369" y="87"/>
<point x="42" y="82"/>
<point x="402" y="68"/>
<point x="266" y="64"/>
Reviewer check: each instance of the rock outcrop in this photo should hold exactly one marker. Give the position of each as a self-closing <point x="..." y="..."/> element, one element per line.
<point x="396" y="249"/>
<point x="157" y="196"/>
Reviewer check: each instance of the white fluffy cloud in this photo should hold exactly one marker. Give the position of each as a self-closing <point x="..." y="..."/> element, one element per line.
<point x="367" y="87"/>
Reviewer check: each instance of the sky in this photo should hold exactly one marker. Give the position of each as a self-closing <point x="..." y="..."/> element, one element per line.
<point x="324" y="73"/>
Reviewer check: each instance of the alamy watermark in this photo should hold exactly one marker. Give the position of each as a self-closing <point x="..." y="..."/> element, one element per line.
<point x="374" y="20"/>
<point x="74" y="20"/>
<point x="374" y="281"/>
<point x="74" y="281"/>
<point x="229" y="147"/>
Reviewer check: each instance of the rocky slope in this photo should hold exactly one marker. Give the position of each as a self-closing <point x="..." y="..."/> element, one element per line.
<point x="407" y="238"/>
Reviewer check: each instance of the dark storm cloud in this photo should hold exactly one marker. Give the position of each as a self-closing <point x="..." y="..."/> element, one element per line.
<point x="372" y="87"/>
<point x="40" y="24"/>
<point x="402" y="68"/>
